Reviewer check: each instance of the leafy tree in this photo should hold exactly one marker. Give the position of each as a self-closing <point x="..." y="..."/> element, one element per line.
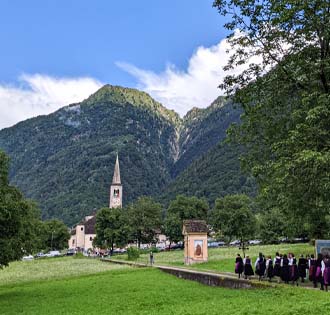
<point x="54" y="235"/>
<point x="272" y="226"/>
<point x="189" y="207"/>
<point x="144" y="219"/>
<point x="233" y="215"/>
<point x="111" y="228"/>
<point x="183" y="208"/>
<point x="173" y="227"/>
<point x="17" y="220"/>
<point x="285" y="97"/>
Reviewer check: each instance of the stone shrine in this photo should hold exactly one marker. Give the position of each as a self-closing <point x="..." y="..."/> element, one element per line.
<point x="195" y="241"/>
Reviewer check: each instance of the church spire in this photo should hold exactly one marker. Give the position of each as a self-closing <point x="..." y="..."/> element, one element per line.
<point x="116" y="189"/>
<point x="116" y="173"/>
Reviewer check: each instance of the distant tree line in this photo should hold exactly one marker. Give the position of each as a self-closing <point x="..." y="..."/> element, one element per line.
<point x="232" y="217"/>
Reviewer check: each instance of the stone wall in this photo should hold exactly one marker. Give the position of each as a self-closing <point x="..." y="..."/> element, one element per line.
<point x="207" y="278"/>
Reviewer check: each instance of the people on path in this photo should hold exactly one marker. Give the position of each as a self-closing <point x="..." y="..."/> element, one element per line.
<point x="287" y="268"/>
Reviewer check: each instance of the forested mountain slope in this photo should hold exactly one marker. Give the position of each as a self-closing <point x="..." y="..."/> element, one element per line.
<point x="65" y="160"/>
<point x="202" y="129"/>
<point x="215" y="174"/>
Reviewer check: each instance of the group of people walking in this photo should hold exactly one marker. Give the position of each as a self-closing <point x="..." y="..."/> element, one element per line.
<point x="287" y="268"/>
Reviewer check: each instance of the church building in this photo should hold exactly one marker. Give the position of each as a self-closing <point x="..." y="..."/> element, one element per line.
<point x="83" y="234"/>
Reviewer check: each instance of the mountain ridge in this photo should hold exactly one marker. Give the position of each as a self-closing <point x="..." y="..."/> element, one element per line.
<point x="65" y="160"/>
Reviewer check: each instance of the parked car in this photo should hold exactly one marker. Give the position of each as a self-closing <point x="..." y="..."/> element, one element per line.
<point x="28" y="257"/>
<point x="174" y="247"/>
<point x="71" y="252"/>
<point x="235" y="243"/>
<point x="160" y="246"/>
<point x="40" y="255"/>
<point x="221" y="243"/>
<point x="213" y="244"/>
<point x="255" y="242"/>
<point x="119" y="251"/>
<point x="53" y="253"/>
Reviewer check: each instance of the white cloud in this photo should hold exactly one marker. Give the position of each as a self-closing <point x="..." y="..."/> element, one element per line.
<point x="196" y="86"/>
<point x="40" y="94"/>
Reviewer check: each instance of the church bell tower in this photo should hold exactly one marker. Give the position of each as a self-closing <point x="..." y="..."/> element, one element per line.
<point x="116" y="188"/>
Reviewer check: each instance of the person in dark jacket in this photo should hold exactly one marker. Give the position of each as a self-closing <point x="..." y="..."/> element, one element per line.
<point x="239" y="265"/>
<point x="277" y="265"/>
<point x="294" y="276"/>
<point x="312" y="270"/>
<point x="302" y="266"/>
<point x="269" y="268"/>
<point x="260" y="266"/>
<point x="326" y="272"/>
<point x="285" y="269"/>
<point x="248" y="270"/>
<point x="318" y="273"/>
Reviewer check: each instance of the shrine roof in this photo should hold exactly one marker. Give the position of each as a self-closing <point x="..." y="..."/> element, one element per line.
<point x="195" y="226"/>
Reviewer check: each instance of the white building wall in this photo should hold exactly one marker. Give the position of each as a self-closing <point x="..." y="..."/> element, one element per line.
<point x="89" y="241"/>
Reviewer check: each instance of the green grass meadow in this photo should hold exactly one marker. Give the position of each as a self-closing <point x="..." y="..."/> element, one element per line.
<point x="88" y="286"/>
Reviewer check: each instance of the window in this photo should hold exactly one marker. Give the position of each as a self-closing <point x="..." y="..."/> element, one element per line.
<point x="82" y="228"/>
<point x="116" y="192"/>
<point x="72" y="242"/>
<point x="90" y="238"/>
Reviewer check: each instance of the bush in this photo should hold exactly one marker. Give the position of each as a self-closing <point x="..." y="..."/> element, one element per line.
<point x="78" y="255"/>
<point x="133" y="253"/>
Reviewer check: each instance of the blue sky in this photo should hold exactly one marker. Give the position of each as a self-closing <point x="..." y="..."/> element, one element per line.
<point x="54" y="47"/>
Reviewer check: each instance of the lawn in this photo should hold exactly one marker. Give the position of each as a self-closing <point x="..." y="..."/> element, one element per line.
<point x="222" y="259"/>
<point x="51" y="268"/>
<point x="144" y="291"/>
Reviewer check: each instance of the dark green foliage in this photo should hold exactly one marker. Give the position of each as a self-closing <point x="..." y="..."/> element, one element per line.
<point x="272" y="226"/>
<point x="144" y="220"/>
<point x="188" y="207"/>
<point x="183" y="208"/>
<point x="202" y="129"/>
<point x="111" y="228"/>
<point x="216" y="174"/>
<point x="285" y="125"/>
<point x="54" y="235"/>
<point x="133" y="253"/>
<point x="173" y="227"/>
<point x="233" y="215"/>
<point x="18" y="220"/>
